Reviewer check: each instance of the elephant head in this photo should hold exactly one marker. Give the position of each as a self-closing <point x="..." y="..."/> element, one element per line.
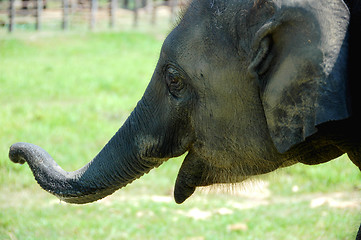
<point x="239" y="85"/>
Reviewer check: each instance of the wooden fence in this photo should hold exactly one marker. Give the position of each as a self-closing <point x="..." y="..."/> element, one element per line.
<point x="36" y="9"/>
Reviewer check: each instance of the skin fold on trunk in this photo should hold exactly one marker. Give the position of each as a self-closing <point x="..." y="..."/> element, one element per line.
<point x="116" y="165"/>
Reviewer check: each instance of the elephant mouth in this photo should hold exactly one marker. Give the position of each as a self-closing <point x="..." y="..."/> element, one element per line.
<point x="197" y="172"/>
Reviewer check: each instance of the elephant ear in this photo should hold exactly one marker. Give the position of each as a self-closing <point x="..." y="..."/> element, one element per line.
<point x="300" y="61"/>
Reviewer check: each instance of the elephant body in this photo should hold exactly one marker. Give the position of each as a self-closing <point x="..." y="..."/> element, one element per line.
<point x="245" y="87"/>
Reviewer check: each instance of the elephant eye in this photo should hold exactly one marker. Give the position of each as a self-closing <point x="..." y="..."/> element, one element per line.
<point x="174" y="81"/>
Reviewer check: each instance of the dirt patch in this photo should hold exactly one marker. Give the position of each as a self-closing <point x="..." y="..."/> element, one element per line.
<point x="245" y="199"/>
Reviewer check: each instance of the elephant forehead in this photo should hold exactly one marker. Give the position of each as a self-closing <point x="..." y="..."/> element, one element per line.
<point x="203" y="31"/>
<point x="185" y="43"/>
<point x="199" y="47"/>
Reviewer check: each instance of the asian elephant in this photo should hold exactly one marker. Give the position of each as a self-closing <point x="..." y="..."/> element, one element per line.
<point x="244" y="87"/>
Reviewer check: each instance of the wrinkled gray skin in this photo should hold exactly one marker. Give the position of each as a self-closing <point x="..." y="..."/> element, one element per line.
<point x="245" y="87"/>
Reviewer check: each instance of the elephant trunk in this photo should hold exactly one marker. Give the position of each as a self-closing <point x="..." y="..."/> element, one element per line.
<point x="120" y="162"/>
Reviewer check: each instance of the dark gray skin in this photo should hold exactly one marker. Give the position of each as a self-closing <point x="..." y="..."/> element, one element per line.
<point x="245" y="87"/>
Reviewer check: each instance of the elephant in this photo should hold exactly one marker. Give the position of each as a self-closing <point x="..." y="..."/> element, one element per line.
<point x="243" y="87"/>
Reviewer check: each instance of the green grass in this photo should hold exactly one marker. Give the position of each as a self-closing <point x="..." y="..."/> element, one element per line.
<point x="69" y="93"/>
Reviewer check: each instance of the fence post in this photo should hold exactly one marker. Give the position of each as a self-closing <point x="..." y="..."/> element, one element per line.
<point x="73" y="6"/>
<point x="112" y="12"/>
<point x="11" y="15"/>
<point x="136" y="15"/>
<point x="93" y="12"/>
<point x="152" y="9"/>
<point x="65" y="22"/>
<point x="173" y="4"/>
<point x="39" y="9"/>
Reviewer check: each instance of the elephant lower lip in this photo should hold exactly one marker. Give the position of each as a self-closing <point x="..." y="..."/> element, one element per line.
<point x="189" y="177"/>
<point x="182" y="192"/>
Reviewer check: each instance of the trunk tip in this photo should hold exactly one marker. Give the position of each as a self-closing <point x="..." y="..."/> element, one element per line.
<point x="17" y="152"/>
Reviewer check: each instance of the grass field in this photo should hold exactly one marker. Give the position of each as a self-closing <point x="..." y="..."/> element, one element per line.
<point x="69" y="93"/>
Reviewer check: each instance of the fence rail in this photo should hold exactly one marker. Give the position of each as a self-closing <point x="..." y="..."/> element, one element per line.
<point x="16" y="12"/>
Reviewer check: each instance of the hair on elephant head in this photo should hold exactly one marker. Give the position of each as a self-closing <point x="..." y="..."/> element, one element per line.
<point x="244" y="87"/>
